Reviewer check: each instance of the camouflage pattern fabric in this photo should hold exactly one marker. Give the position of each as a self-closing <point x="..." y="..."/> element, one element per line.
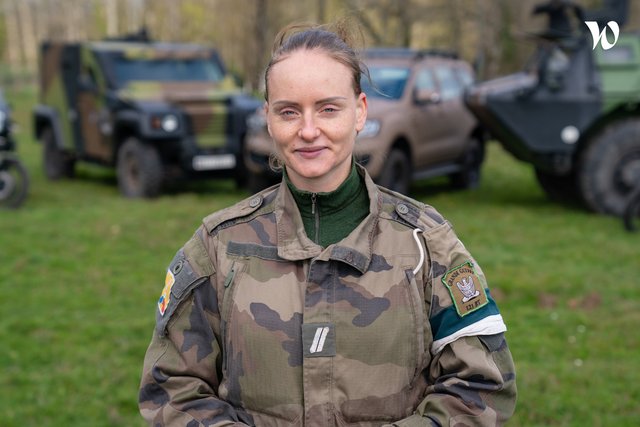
<point x="257" y="325"/>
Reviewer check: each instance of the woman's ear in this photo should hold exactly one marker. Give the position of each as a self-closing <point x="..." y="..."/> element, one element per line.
<point x="266" y="116"/>
<point x="361" y="111"/>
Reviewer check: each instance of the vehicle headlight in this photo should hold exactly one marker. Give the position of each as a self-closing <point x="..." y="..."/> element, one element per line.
<point x="166" y="122"/>
<point x="371" y="128"/>
<point x="169" y="123"/>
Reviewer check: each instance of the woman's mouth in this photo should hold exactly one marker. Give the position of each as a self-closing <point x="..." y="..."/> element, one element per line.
<point x="310" y="152"/>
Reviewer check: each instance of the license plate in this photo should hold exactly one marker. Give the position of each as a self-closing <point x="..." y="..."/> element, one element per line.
<point x="213" y="162"/>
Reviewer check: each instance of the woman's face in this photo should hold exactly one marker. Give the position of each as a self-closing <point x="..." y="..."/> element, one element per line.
<point x="313" y="115"/>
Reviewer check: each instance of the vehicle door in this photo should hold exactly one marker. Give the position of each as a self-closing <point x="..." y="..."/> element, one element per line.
<point x="429" y="119"/>
<point x="93" y="117"/>
<point x="456" y="121"/>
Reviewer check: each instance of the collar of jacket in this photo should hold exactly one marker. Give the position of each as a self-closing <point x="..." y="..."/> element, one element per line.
<point x="355" y="249"/>
<point x="327" y="203"/>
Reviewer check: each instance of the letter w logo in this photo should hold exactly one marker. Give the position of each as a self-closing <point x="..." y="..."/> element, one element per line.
<point x="319" y="339"/>
<point x="601" y="36"/>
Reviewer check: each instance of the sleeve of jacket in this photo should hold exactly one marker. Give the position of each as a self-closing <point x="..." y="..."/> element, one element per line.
<point x="180" y="376"/>
<point x="471" y="374"/>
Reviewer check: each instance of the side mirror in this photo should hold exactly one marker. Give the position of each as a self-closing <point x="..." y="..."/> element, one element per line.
<point x="86" y="84"/>
<point x="426" y="96"/>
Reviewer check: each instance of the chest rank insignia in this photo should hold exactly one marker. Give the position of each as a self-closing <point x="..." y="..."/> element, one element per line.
<point x="465" y="288"/>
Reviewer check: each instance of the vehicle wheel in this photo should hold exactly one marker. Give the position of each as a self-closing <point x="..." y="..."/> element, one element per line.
<point x="396" y="173"/>
<point x="14" y="183"/>
<point x="57" y="163"/>
<point x="632" y="211"/>
<point x="139" y="169"/>
<point x="610" y="167"/>
<point x="559" y="188"/>
<point x="469" y="176"/>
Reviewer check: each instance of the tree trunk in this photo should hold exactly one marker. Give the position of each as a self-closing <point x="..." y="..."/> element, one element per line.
<point x="111" y="8"/>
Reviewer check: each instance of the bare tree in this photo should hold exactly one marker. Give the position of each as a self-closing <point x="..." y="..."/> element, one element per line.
<point x="14" y="54"/>
<point x="111" y="7"/>
<point x="260" y="42"/>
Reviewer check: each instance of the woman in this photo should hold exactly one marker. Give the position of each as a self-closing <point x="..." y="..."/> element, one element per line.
<point x="325" y="300"/>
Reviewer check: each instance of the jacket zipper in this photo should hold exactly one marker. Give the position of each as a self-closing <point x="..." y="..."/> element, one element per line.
<point x="316" y="216"/>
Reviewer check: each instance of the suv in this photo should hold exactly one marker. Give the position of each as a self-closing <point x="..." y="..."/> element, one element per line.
<point x="152" y="110"/>
<point x="417" y="125"/>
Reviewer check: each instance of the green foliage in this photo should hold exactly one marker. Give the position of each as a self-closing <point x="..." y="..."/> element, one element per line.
<point x="82" y="268"/>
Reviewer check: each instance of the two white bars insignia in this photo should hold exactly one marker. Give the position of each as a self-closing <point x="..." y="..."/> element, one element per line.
<point x="318" y="340"/>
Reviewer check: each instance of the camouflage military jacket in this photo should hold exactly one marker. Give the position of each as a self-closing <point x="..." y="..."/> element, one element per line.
<point x="258" y="325"/>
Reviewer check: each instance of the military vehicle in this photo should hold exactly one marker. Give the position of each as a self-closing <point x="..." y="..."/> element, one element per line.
<point x="14" y="179"/>
<point x="574" y="114"/>
<point x="155" y="111"/>
<point x="417" y="124"/>
<point x="631" y="216"/>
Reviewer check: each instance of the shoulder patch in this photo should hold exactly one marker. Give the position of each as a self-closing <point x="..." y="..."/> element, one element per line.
<point x="466" y="289"/>
<point x="169" y="280"/>
<point x="179" y="281"/>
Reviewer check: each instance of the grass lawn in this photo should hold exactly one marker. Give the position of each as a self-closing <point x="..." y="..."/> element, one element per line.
<point x="81" y="269"/>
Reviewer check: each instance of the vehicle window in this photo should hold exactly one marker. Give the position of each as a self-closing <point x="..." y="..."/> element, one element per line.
<point x="424" y="81"/>
<point x="464" y="76"/>
<point x="449" y="86"/>
<point x="388" y="82"/>
<point x="166" y="69"/>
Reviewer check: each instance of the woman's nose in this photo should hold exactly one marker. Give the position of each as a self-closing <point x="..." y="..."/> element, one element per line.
<point x="309" y="131"/>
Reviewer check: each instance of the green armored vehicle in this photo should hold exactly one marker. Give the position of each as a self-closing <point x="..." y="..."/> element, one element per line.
<point x="574" y="114"/>
<point x="154" y="111"/>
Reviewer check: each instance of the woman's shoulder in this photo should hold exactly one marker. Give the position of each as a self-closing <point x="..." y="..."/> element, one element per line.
<point x="403" y="208"/>
<point x="241" y="211"/>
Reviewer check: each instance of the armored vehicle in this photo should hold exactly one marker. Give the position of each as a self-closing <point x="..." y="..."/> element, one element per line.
<point x="417" y="124"/>
<point x="14" y="179"/>
<point x="152" y="110"/>
<point x="574" y="114"/>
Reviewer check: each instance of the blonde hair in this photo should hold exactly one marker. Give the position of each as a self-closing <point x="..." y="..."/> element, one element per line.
<point x="337" y="40"/>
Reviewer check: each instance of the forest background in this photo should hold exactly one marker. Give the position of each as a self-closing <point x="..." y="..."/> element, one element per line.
<point x="494" y="34"/>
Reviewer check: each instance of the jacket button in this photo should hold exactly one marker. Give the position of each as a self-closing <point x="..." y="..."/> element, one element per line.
<point x="255" y="202"/>
<point x="402" y="209"/>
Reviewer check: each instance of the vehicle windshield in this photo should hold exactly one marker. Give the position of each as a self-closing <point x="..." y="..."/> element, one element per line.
<point x="388" y="82"/>
<point x="166" y="69"/>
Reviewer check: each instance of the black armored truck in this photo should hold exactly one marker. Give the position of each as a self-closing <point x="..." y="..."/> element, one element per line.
<point x="574" y="114"/>
<point x="152" y="110"/>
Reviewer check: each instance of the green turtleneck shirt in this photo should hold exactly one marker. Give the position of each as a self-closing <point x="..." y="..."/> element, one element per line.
<point x="330" y="217"/>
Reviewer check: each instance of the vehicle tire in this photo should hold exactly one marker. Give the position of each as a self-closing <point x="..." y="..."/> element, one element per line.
<point x="396" y="172"/>
<point x="559" y="188"/>
<point x="14" y="183"/>
<point x="609" y="167"/>
<point x="469" y="176"/>
<point x="139" y="169"/>
<point x="632" y="211"/>
<point x="57" y="163"/>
